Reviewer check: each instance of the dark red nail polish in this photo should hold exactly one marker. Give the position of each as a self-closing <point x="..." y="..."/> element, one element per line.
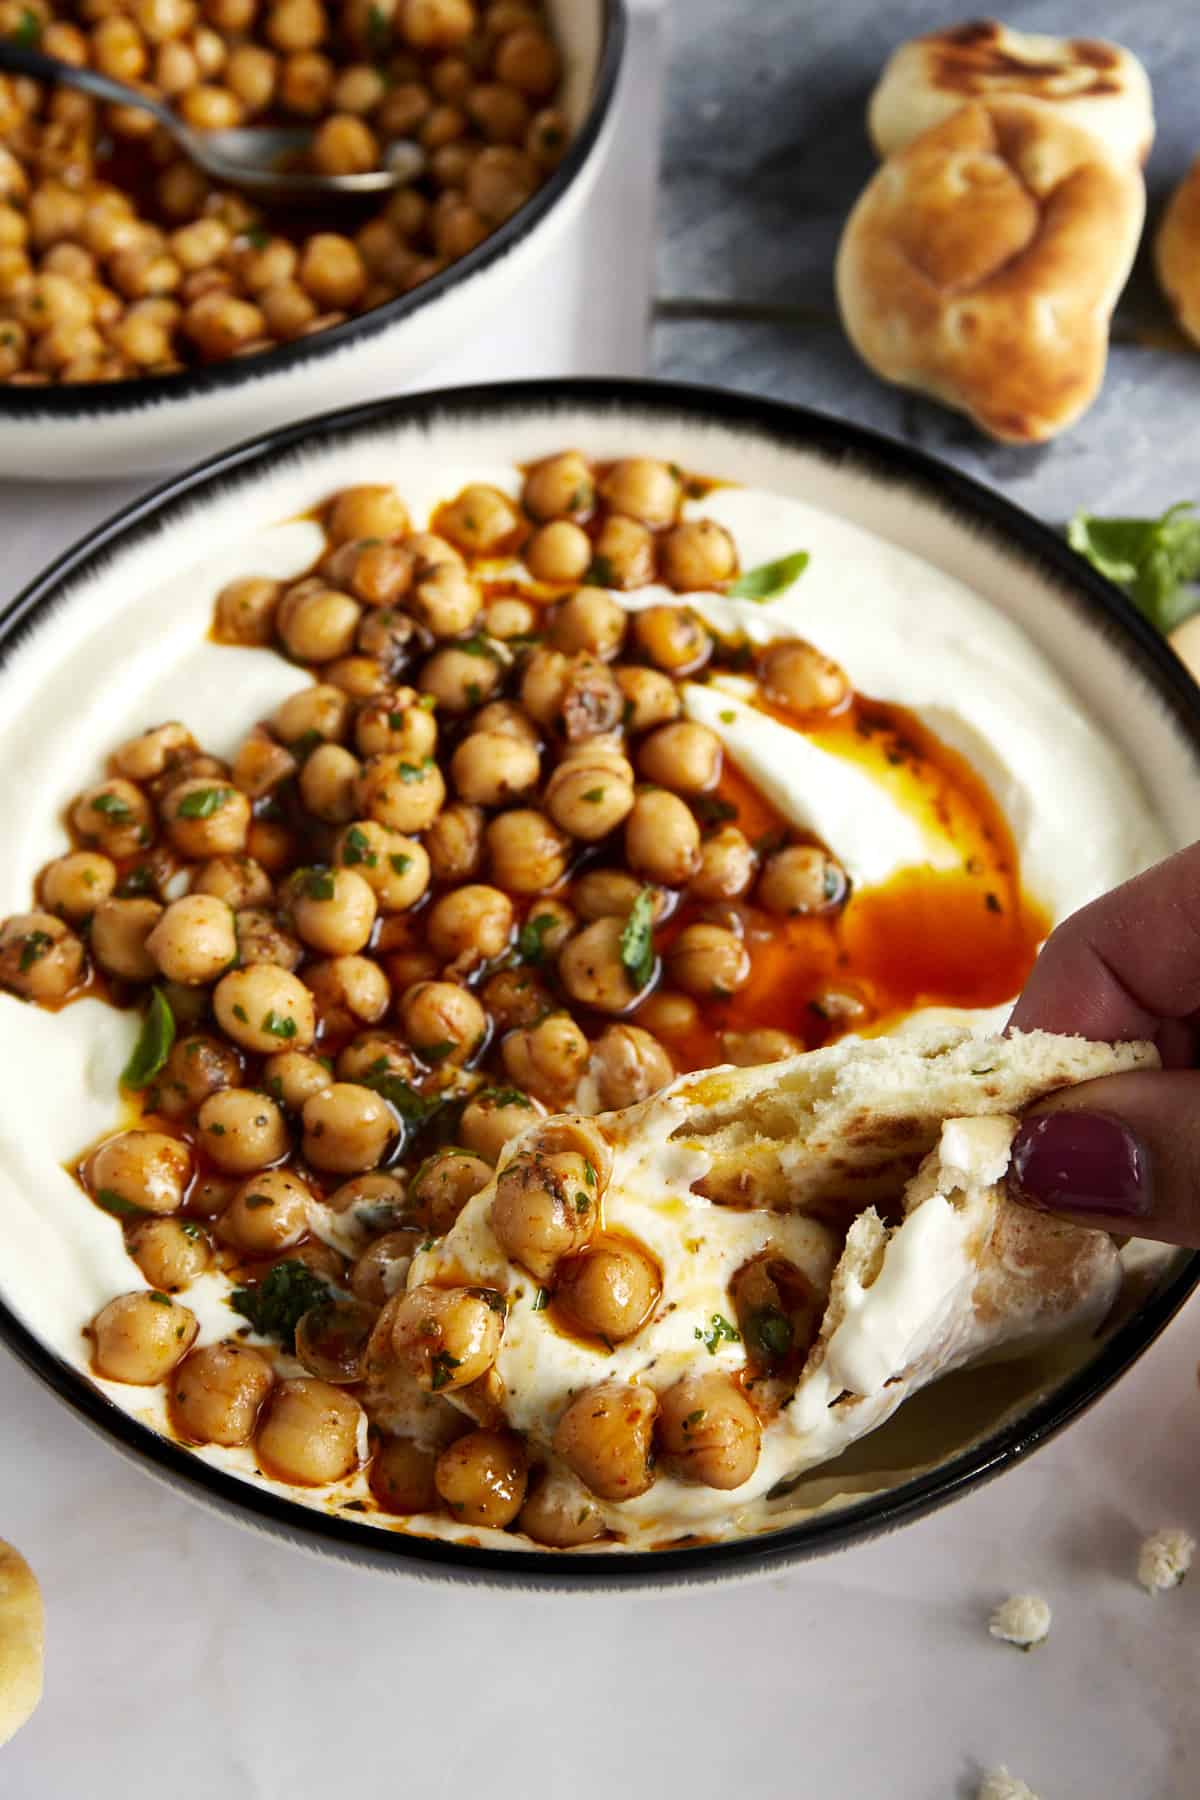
<point x="1080" y="1163"/>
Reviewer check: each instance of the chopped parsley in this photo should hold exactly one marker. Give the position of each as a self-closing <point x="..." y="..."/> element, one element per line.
<point x="34" y="946"/>
<point x="135" y="881"/>
<point x="111" y="806"/>
<point x="441" y="1368"/>
<point x="115" y="1203"/>
<point x="319" y="884"/>
<point x="583" y="1203"/>
<point x="712" y="811"/>
<point x="276" y="1304"/>
<point x="154" y="1043"/>
<point x="396" y="721"/>
<point x="279" y="1025"/>
<point x="719" y="1331"/>
<point x="769" y="579"/>
<point x="204" y="802"/>
<point x="600" y="573"/>
<point x="414" y="771"/>
<point x="401" y="864"/>
<point x="769" y="1333"/>
<point x="637" y="939"/>
<point x="28" y="29"/>
<point x="594" y="796"/>
<point x="510" y="1096"/>
<point x="159" y="1298"/>
<point x="694" y="1418"/>
<point x="356" y="848"/>
<point x="480" y="646"/>
<point x="254" y="1202"/>
<point x="531" y="946"/>
<point x="239" y="1012"/>
<point x="257" y="237"/>
<point x="493" y="1300"/>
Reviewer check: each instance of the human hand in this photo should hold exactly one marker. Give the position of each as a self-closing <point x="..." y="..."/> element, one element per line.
<point x="1122" y="1152"/>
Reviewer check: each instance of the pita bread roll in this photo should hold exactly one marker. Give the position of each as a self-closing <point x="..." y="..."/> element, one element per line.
<point x="21" y="1638"/>
<point x="981" y="266"/>
<point x="1099" y="87"/>
<point x="1177" y="253"/>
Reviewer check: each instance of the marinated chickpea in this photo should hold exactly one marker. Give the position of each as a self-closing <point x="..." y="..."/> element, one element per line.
<point x="402" y="1477"/>
<point x="321" y="709"/>
<point x="375" y="1053"/>
<point x="369" y="511"/>
<point x="308" y="1432"/>
<point x="491" y="767"/>
<point x="443" y="1021"/>
<point x="242" y="1131"/>
<point x="405" y="796"/>
<point x="547" y="1058"/>
<point x="139" y="1337"/>
<point x="526" y="59"/>
<point x="169" y="1252"/>
<point x="262" y="1006"/>
<point x="292" y="1077"/>
<point x="559" y="487"/>
<point x="795" y="674"/>
<point x="316" y="626"/>
<point x="470" y="925"/>
<point x="559" y="1513"/>
<point x="708" y="960"/>
<point x="445" y="599"/>
<point x="204" y="818"/>
<point x="251" y="74"/>
<point x="708" y="1431"/>
<point x="591" y="968"/>
<point x="683" y="756"/>
<point x="802" y="879"/>
<point x="74" y="885"/>
<point x="545" y="1207"/>
<point x="480" y="520"/>
<point x="246" y="610"/>
<point x="261" y="939"/>
<point x="526" y="851"/>
<point x="610" y="1289"/>
<point x="454" y="842"/>
<point x="40" y="957"/>
<point x="508" y="618"/>
<point x="120" y="929"/>
<point x="196" y="1066"/>
<point x="436" y="24"/>
<point x="673" y="638"/>
<point x="624" y="548"/>
<point x="194" y="940"/>
<point x="445" y="1182"/>
<point x="748" y="1049"/>
<point x="447" y="1337"/>
<point x="499" y="113"/>
<point x="334" y="911"/>
<point x="217" y="1392"/>
<point x="347" y="1128"/>
<point x="697" y="554"/>
<point x="219" y="324"/>
<point x="651" y="698"/>
<point x="499" y="182"/>
<point x="396" y="723"/>
<point x="237" y="880"/>
<point x="332" y="270"/>
<point x="644" y="489"/>
<point x="306" y="81"/>
<point x="605" y="893"/>
<point x="605" y="1438"/>
<point x="146" y="1171"/>
<point x="459" y="679"/>
<point x="115" y="816"/>
<point x="662" y="838"/>
<point x="590" y="619"/>
<point x="494" y="1117"/>
<point x="589" y="801"/>
<point x="629" y="1064"/>
<point x="349" y="991"/>
<point x="727" y="865"/>
<point x="560" y="551"/>
<point x="268" y="1213"/>
<point x="344" y="145"/>
<point x="482" y="1478"/>
<point x="382" y="1269"/>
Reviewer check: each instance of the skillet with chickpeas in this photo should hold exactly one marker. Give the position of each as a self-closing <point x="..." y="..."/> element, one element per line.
<point x="119" y="258"/>
<point x="481" y="869"/>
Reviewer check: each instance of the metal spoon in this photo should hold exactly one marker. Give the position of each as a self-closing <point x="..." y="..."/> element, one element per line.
<point x="255" y="157"/>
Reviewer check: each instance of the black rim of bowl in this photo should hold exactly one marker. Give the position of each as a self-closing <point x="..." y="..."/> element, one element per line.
<point x="80" y="400"/>
<point x="796" y="429"/>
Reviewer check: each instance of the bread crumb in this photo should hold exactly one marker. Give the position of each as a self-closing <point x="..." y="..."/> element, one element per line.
<point x="1023" y="1619"/>
<point x="998" y="1784"/>
<point x="1165" y="1558"/>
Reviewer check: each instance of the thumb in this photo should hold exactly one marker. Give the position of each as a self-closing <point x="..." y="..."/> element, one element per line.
<point x="1121" y="1153"/>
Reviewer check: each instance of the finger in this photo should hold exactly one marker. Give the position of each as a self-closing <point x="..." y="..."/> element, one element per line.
<point x="1119" y="966"/>
<point x="1122" y="1153"/>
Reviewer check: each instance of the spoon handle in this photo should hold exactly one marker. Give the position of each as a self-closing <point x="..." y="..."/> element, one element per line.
<point x="16" y="59"/>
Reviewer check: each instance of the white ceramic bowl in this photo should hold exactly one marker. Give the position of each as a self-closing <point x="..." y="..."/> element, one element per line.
<point x="152" y="571"/>
<point x="84" y="432"/>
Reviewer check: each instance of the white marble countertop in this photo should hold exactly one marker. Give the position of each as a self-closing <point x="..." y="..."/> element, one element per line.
<point x="189" y="1658"/>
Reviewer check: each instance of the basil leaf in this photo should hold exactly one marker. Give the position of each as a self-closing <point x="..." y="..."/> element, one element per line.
<point x="154" y="1043"/>
<point x="637" y="939"/>
<point x="769" y="579"/>
<point x="1154" y="560"/>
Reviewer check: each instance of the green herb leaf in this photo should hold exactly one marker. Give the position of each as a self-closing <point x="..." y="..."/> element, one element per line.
<point x="276" y="1304"/>
<point x="1153" y="560"/>
<point x="154" y="1043"/>
<point x="769" y="579"/>
<point x="413" y="1108"/>
<point x="204" y="802"/>
<point x="279" y="1025"/>
<point x="509" y="1096"/>
<point x="594" y="796"/>
<point x="480" y="646"/>
<point x="600" y="573"/>
<point x="379" y="32"/>
<point x="255" y="1202"/>
<point x="111" y="806"/>
<point x="441" y="1366"/>
<point x="541" y="1300"/>
<point x="637" y="939"/>
<point x="159" y="1298"/>
<point x="712" y="811"/>
<point x="719" y="1331"/>
<point x="28" y="30"/>
<point x="135" y="881"/>
<point x="319" y="884"/>
<point x="117" y="1205"/>
<point x="356" y="848"/>
<point x="239" y="1012"/>
<point x="400" y="863"/>
<point x="34" y="946"/>
<point x="257" y="237"/>
<point x="414" y="771"/>
<point x="531" y="947"/>
<point x="769" y="1333"/>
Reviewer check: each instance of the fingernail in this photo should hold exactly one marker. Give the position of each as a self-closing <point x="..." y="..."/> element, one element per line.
<point x="1081" y="1163"/>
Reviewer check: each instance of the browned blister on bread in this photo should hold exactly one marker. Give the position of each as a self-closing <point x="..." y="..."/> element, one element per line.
<point x="982" y="263"/>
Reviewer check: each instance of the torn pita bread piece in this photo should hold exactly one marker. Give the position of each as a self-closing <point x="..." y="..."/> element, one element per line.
<point x="21" y="1641"/>
<point x="1098" y="86"/>
<point x="831" y="1232"/>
